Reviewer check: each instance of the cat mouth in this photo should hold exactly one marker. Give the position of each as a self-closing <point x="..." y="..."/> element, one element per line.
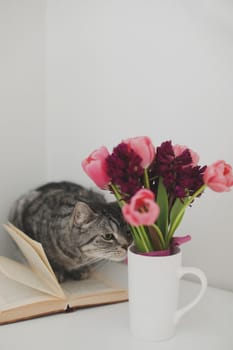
<point x="118" y="259"/>
<point x="120" y="256"/>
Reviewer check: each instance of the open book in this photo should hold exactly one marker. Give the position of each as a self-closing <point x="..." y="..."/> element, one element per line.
<point x="32" y="290"/>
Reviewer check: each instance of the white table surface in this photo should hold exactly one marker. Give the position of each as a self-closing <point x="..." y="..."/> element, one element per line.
<point x="209" y="326"/>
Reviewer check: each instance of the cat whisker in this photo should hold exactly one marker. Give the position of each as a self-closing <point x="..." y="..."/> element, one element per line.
<point x="90" y="262"/>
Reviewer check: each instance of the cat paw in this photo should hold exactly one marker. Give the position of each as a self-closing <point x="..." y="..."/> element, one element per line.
<point x="80" y="274"/>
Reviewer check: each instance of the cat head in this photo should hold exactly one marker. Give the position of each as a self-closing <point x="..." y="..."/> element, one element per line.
<point x="102" y="231"/>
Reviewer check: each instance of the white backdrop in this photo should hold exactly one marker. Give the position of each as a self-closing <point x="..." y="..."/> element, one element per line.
<point x="22" y="103"/>
<point x="118" y="69"/>
<point x="126" y="68"/>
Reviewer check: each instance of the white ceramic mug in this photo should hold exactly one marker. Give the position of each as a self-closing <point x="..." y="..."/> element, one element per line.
<point x="153" y="283"/>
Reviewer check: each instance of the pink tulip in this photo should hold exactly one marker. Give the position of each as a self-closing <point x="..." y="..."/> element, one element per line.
<point x="143" y="147"/>
<point x="178" y="150"/>
<point x="142" y="209"/>
<point x="95" y="167"/>
<point x="219" y="177"/>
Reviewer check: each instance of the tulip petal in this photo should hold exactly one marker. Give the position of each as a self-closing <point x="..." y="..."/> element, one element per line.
<point x="142" y="209"/>
<point x="143" y="147"/>
<point x="219" y="176"/>
<point x="95" y="167"/>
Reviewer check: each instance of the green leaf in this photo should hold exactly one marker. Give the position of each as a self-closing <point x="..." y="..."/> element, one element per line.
<point x="180" y="215"/>
<point x="162" y="201"/>
<point x="178" y="222"/>
<point x="176" y="210"/>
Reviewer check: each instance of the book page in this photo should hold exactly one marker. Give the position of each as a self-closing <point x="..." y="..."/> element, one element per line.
<point x="102" y="287"/>
<point x="113" y="273"/>
<point x="35" y="262"/>
<point x="84" y="287"/>
<point x="36" y="245"/>
<point x="22" y="274"/>
<point x="15" y="294"/>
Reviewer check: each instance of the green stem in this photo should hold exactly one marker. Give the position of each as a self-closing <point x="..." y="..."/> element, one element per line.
<point x="146" y="240"/>
<point x="121" y="202"/>
<point x="146" y="179"/>
<point x="143" y="246"/>
<point x="160" y="235"/>
<point x="136" y="238"/>
<point x="173" y="227"/>
<point x="138" y="232"/>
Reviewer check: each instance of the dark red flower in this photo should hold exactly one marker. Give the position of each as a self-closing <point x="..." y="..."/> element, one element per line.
<point x="125" y="170"/>
<point x="180" y="178"/>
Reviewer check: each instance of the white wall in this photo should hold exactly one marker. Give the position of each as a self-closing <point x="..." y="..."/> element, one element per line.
<point x="22" y="103"/>
<point x="125" y="68"/>
<point x="118" y="69"/>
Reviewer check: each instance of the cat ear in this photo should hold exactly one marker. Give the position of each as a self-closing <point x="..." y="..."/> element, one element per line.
<point x="83" y="214"/>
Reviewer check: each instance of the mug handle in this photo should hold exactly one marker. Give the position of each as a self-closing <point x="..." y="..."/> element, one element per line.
<point x="197" y="272"/>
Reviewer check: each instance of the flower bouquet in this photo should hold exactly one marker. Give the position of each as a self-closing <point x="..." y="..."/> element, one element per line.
<point x="154" y="186"/>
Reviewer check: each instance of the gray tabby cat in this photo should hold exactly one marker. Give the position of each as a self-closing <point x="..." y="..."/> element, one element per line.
<point x="76" y="227"/>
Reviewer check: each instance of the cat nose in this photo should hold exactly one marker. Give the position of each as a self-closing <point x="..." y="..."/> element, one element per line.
<point x="125" y="246"/>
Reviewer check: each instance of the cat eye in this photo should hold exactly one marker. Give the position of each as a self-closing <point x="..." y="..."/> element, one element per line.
<point x="107" y="237"/>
